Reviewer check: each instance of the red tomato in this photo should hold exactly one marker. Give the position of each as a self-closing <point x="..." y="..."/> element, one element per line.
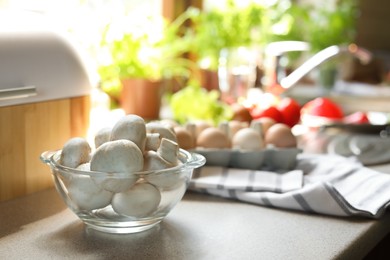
<point x="290" y="110"/>
<point x="323" y="107"/>
<point x="356" y="118"/>
<point x="271" y="112"/>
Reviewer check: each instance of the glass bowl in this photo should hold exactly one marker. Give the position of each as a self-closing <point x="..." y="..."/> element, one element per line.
<point x="122" y="202"/>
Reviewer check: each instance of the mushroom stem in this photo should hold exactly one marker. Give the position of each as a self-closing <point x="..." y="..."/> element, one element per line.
<point x="168" y="150"/>
<point x="152" y="141"/>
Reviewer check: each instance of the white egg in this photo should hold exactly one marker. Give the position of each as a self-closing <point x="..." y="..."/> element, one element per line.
<point x="247" y="139"/>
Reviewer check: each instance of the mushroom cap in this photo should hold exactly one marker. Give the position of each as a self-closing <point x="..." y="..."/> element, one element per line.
<point x="139" y="201"/>
<point x="213" y="138"/>
<point x="280" y="135"/>
<point x="170" y="123"/>
<point x="75" y="151"/>
<point x="130" y="127"/>
<point x="84" y="192"/>
<point x="117" y="156"/>
<point x="102" y="136"/>
<point x="248" y="139"/>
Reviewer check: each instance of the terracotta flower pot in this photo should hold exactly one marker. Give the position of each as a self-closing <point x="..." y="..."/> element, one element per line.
<point x="209" y="79"/>
<point x="141" y="97"/>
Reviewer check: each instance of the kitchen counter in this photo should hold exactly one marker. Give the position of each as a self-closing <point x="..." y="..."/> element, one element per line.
<point x="39" y="226"/>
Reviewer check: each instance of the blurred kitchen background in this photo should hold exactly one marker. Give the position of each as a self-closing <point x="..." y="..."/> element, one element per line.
<point x="68" y="68"/>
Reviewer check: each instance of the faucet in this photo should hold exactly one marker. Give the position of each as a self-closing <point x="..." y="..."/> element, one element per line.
<point x="277" y="49"/>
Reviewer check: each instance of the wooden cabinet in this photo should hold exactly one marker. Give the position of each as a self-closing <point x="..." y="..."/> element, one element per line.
<point x="30" y="129"/>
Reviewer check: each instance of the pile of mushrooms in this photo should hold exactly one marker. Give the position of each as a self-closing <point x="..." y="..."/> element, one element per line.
<point x="130" y="146"/>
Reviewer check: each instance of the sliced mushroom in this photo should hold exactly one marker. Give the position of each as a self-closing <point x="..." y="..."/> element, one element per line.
<point x="168" y="150"/>
<point x="153" y="161"/>
<point x="163" y="180"/>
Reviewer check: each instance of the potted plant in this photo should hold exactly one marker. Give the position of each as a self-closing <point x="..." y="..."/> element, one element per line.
<point x="236" y="25"/>
<point x="216" y="29"/>
<point x="335" y="25"/>
<point x="140" y="60"/>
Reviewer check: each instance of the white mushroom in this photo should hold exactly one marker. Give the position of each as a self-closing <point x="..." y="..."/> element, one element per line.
<point x="165" y="156"/>
<point x="163" y="130"/>
<point x="139" y="201"/>
<point x="84" y="167"/>
<point x="76" y="151"/>
<point x="248" y="139"/>
<point x="102" y="136"/>
<point x="152" y="141"/>
<point x="168" y="123"/>
<point x="120" y="156"/>
<point x="86" y="195"/>
<point x="130" y="127"/>
<point x="163" y="180"/>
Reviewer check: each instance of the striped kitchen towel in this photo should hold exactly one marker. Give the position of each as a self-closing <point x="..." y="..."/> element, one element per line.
<point x="323" y="184"/>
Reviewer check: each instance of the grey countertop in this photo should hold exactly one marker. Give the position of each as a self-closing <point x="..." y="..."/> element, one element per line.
<point x="40" y="226"/>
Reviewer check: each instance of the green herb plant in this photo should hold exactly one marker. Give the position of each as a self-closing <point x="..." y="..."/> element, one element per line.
<point x="327" y="24"/>
<point x="144" y="52"/>
<point x="196" y="103"/>
<point x="254" y="25"/>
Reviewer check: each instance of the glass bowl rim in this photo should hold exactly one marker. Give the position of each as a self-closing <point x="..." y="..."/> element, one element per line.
<point x="191" y="161"/>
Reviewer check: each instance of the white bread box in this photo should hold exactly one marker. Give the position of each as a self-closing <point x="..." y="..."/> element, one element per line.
<point x="44" y="99"/>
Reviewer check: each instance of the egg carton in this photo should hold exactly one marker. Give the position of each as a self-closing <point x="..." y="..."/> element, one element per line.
<point x="275" y="159"/>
